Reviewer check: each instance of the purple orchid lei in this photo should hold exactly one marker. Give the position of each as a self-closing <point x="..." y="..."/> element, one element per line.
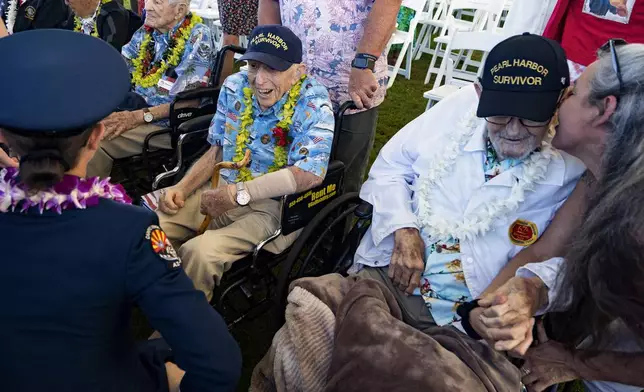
<point x="72" y="192"/>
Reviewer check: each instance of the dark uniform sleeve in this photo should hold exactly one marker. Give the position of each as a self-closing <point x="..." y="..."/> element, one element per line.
<point x="114" y="27"/>
<point x="198" y="336"/>
<point x="51" y="14"/>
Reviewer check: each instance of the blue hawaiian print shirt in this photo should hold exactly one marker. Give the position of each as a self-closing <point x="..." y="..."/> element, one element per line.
<point x="443" y="286"/>
<point x="311" y="132"/>
<point x="192" y="71"/>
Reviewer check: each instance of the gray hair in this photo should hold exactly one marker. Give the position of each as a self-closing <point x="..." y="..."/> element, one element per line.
<point x="627" y="123"/>
<point x="605" y="265"/>
<point x="177" y="2"/>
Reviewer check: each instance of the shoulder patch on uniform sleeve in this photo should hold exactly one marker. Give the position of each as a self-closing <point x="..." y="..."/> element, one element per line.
<point x="162" y="247"/>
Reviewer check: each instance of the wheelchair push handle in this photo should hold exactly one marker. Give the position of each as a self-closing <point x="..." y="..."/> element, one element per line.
<point x="339" y="117"/>
<point x="219" y="61"/>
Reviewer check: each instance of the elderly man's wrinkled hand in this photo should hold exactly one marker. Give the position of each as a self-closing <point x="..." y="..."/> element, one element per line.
<point x="407" y="261"/>
<point x="516" y="301"/>
<point x="362" y="87"/>
<point x="508" y="314"/>
<point x="547" y="364"/>
<point x="515" y="338"/>
<point x="172" y="200"/>
<point x="215" y="202"/>
<point x="118" y="123"/>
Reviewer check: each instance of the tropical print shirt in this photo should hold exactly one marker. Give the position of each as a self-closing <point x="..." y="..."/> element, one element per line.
<point x="193" y="69"/>
<point x="443" y="285"/>
<point x="330" y="32"/>
<point x="311" y="133"/>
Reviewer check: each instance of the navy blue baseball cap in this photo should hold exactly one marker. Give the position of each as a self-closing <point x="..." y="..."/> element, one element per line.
<point x="523" y="77"/>
<point x="274" y="45"/>
<point x="58" y="82"/>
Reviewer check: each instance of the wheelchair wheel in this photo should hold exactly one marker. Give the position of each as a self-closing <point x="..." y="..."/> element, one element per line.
<point x="322" y="247"/>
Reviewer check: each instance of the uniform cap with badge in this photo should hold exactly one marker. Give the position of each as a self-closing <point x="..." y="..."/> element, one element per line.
<point x="68" y="83"/>
<point x="275" y="46"/>
<point x="523" y="77"/>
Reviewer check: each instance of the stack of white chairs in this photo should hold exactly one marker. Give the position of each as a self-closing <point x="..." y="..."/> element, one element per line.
<point x="431" y="21"/>
<point x="406" y="39"/>
<point x="482" y="41"/>
<point x="487" y="17"/>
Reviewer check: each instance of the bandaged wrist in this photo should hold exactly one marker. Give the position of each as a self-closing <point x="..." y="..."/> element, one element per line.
<point x="279" y="183"/>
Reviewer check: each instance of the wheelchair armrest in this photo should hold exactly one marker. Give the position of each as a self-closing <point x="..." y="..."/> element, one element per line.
<point x="202" y="92"/>
<point x="364" y="210"/>
<point x="196" y="124"/>
<point x="152" y="135"/>
<point x="335" y="166"/>
<point x="183" y="139"/>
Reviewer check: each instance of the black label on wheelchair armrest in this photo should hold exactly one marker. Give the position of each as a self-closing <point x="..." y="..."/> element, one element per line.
<point x="299" y="209"/>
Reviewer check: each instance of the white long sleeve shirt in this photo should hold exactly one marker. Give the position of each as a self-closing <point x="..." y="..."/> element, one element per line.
<point x="407" y="157"/>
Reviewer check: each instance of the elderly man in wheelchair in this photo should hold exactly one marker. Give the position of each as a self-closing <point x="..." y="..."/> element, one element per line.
<point x="285" y="121"/>
<point x="456" y="194"/>
<point x="172" y="52"/>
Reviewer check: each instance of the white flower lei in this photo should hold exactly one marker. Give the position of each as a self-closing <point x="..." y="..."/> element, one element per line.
<point x="477" y="222"/>
<point x="12" y="11"/>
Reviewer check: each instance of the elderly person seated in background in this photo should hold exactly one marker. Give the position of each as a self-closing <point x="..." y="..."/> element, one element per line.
<point x="455" y="196"/>
<point x="104" y="19"/>
<point x="285" y="119"/>
<point x="172" y="52"/>
<point x="597" y="293"/>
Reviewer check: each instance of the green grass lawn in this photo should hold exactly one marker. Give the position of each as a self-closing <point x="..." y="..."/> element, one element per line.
<point x="404" y="103"/>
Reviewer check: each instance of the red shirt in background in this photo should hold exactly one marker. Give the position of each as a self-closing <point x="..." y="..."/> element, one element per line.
<point x="582" y="26"/>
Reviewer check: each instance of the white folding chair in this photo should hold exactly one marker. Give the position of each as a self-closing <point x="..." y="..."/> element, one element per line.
<point x="486" y="17"/>
<point x="406" y="39"/>
<point x="482" y="41"/>
<point x="431" y="19"/>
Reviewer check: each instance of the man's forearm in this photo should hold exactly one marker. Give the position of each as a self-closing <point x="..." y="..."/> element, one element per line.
<point x="160" y="112"/>
<point x="379" y="27"/>
<point x="269" y="12"/>
<point x="623" y="368"/>
<point x="201" y="171"/>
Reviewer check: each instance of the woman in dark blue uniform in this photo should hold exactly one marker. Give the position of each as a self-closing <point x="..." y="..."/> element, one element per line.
<point x="74" y="255"/>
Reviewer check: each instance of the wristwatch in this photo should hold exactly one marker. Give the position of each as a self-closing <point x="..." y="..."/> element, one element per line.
<point x="364" y="61"/>
<point x="243" y="197"/>
<point x="147" y="115"/>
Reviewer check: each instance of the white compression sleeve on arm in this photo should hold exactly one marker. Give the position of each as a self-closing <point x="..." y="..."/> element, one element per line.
<point x="279" y="183"/>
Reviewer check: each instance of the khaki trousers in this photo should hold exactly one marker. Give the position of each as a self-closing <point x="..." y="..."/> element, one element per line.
<point x="229" y="237"/>
<point x="128" y="144"/>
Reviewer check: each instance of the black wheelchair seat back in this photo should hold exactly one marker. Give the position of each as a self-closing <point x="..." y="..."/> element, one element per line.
<point x="300" y="208"/>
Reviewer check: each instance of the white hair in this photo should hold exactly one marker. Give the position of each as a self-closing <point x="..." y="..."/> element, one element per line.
<point x="177" y="2"/>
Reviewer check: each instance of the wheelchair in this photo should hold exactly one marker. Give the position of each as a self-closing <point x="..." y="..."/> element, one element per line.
<point x="138" y="173"/>
<point x="256" y="283"/>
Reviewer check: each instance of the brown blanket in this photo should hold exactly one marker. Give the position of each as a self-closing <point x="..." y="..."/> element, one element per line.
<point x="346" y="334"/>
<point x="375" y="351"/>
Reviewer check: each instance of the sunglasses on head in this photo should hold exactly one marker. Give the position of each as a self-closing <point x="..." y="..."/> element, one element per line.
<point x="611" y="46"/>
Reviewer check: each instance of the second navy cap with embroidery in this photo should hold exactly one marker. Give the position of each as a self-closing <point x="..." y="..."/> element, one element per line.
<point x="274" y="45"/>
<point x="58" y="82"/>
<point x="523" y="77"/>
